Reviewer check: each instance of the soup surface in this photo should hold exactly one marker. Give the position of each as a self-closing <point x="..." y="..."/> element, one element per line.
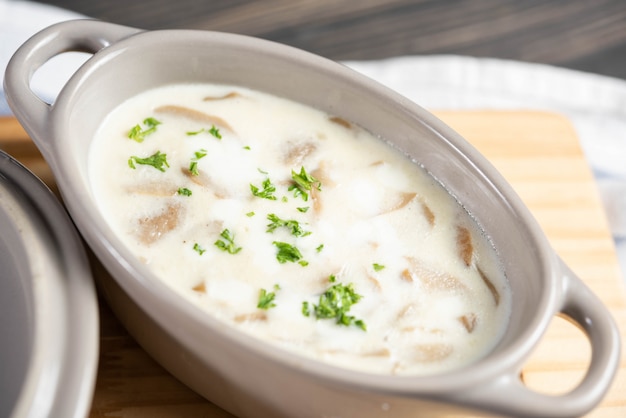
<point x="300" y="228"/>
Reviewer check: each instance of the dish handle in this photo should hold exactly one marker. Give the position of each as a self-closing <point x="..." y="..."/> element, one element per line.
<point x="509" y="396"/>
<point x="83" y="35"/>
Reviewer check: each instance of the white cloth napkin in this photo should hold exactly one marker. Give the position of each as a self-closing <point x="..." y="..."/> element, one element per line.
<point x="19" y="20"/>
<point x="596" y="105"/>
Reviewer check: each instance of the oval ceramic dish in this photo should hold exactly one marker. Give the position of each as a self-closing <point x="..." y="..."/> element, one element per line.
<point x="48" y="306"/>
<point x="237" y="372"/>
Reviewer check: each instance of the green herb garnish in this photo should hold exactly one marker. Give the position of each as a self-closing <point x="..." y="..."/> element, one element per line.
<point x="335" y="303"/>
<point x="213" y="131"/>
<point x="267" y="192"/>
<point x="184" y="191"/>
<point x="250" y="214"/>
<point x="156" y="160"/>
<point x="303" y="184"/>
<point x="193" y="165"/>
<point x="193" y="168"/>
<point x="137" y="133"/>
<point x="287" y="252"/>
<point x="319" y="248"/>
<point x="291" y="224"/>
<point x="197" y="248"/>
<point x="266" y="299"/>
<point x="378" y="267"/>
<point x="228" y="242"/>
<point x="303" y="209"/>
<point x="306" y="310"/>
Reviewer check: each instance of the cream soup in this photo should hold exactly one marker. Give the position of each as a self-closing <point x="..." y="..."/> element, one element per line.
<point x="299" y="228"/>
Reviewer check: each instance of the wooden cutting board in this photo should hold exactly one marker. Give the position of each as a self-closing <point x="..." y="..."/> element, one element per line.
<point x="537" y="152"/>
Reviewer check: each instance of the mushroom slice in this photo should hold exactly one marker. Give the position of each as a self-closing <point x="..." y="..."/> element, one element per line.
<point x="414" y="328"/>
<point x="408" y="275"/>
<point x="202" y="179"/>
<point x="401" y="200"/>
<point x="231" y="95"/>
<point x="317" y="200"/>
<point x="297" y="152"/>
<point x="375" y="283"/>
<point x="322" y="175"/>
<point x="193" y="114"/>
<point x="200" y="288"/>
<point x="393" y="201"/>
<point x="155" y="189"/>
<point x="406" y="311"/>
<point x="464" y="244"/>
<point x="381" y="352"/>
<point x="469" y="321"/>
<point x="429" y="353"/>
<point x="341" y="121"/>
<point x="428" y="213"/>
<point x="431" y="280"/>
<point x="152" y="228"/>
<point x="490" y="286"/>
<point x="252" y="316"/>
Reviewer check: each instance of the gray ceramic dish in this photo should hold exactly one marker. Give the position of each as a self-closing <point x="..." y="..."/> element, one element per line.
<point x="48" y="305"/>
<point x="241" y="374"/>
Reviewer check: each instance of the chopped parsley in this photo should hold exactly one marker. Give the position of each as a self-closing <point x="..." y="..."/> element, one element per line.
<point x="197" y="248"/>
<point x="319" y="248"/>
<point x="287" y="252"/>
<point x="291" y="224"/>
<point x="303" y="209"/>
<point x="228" y="242"/>
<point x="193" y="168"/>
<point x="303" y="184"/>
<point x="266" y="299"/>
<point x="267" y="192"/>
<point x="137" y="133"/>
<point x="200" y="154"/>
<point x="213" y="131"/>
<point x="183" y="191"/>
<point x="193" y="165"/>
<point x="335" y="303"/>
<point x="250" y="214"/>
<point x="378" y="267"/>
<point x="157" y="160"/>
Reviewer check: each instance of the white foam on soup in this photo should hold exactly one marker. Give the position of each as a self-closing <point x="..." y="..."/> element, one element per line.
<point x="299" y="228"/>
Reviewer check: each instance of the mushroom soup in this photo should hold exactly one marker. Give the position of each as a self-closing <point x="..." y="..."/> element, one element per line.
<point x="299" y="228"/>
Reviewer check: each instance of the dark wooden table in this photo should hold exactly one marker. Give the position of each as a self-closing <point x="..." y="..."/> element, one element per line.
<point x="578" y="34"/>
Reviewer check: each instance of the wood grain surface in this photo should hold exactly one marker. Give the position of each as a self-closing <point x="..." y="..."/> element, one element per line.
<point x="537" y="152"/>
<point x="578" y="34"/>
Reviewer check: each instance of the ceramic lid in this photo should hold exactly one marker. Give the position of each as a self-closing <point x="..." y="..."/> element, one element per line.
<point x="48" y="306"/>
